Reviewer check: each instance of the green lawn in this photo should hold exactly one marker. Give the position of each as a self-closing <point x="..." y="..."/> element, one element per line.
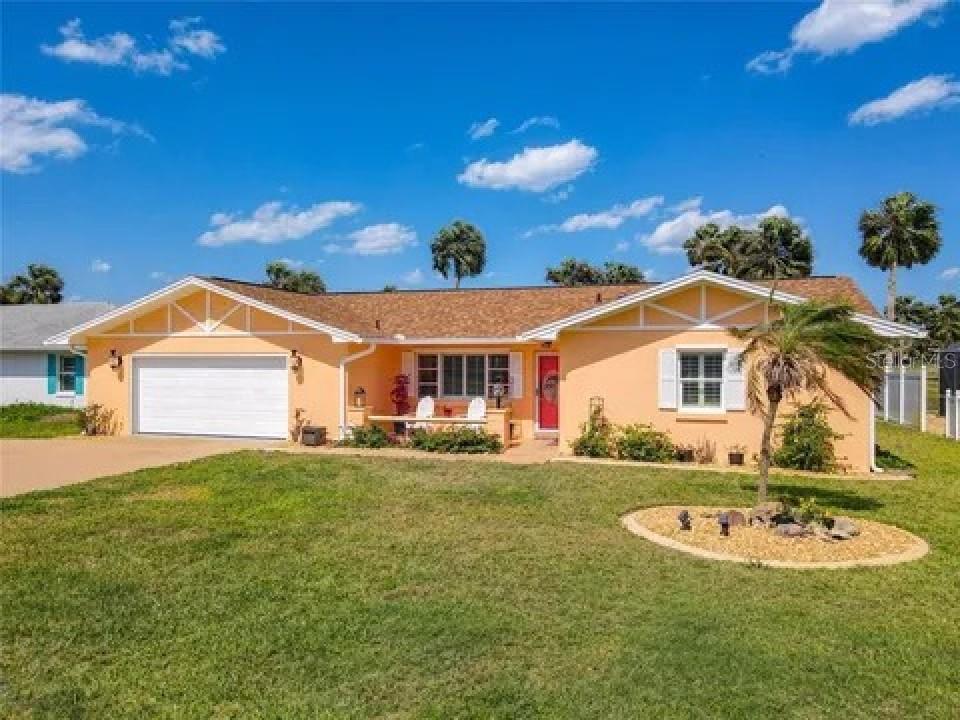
<point x="280" y="586"/>
<point x="34" y="420"/>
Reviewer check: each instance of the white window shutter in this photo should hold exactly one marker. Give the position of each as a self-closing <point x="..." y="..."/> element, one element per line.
<point x="668" y="379"/>
<point x="516" y="375"/>
<point x="733" y="381"/>
<point x="408" y="365"/>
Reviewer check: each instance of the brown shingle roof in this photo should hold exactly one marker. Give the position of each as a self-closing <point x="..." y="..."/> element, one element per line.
<point x="481" y="313"/>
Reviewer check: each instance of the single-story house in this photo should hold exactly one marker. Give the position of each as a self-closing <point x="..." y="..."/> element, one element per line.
<point x="33" y="372"/>
<point x="209" y="355"/>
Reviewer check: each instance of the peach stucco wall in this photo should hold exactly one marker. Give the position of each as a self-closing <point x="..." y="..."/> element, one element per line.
<point x="622" y="368"/>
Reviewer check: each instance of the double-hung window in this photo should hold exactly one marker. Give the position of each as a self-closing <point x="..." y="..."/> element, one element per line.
<point x="701" y="380"/>
<point x="461" y="375"/>
<point x="67" y="374"/>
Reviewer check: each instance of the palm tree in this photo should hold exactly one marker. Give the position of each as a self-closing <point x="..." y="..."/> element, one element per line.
<point x="793" y="353"/>
<point x="280" y="275"/>
<point x="459" y="249"/>
<point x="901" y="233"/>
<point x="42" y="285"/>
<point x="778" y="249"/>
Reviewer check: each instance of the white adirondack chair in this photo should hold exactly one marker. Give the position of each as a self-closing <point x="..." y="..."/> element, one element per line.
<point x="477" y="410"/>
<point x="424" y="410"/>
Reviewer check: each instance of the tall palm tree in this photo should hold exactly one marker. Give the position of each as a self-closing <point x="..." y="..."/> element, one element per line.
<point x="41" y="285"/>
<point x="459" y="249"/>
<point x="902" y="232"/>
<point x="778" y="249"/>
<point x="793" y="353"/>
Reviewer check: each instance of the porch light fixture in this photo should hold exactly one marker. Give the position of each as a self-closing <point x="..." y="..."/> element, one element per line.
<point x="360" y="397"/>
<point x="296" y="362"/>
<point x="116" y="360"/>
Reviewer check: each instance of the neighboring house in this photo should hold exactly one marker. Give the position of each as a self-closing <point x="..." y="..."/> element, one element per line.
<point x="215" y="356"/>
<point x="33" y="372"/>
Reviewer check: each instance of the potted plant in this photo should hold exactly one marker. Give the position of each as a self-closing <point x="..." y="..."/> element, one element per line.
<point x="735" y="454"/>
<point x="684" y="453"/>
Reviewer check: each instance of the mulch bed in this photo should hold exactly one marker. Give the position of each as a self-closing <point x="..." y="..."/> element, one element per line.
<point x="876" y="540"/>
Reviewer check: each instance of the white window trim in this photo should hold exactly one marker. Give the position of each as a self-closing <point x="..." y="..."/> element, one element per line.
<point x="441" y="395"/>
<point x="696" y="409"/>
<point x="60" y="373"/>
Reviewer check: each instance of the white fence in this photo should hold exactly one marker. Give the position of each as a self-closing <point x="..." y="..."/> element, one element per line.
<point x="953" y="415"/>
<point x="903" y="398"/>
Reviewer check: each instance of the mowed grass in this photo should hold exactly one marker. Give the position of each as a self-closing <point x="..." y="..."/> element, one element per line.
<point x="36" y="420"/>
<point x="261" y="585"/>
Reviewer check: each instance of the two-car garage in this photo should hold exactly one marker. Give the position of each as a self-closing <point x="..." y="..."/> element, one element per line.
<point x="227" y="395"/>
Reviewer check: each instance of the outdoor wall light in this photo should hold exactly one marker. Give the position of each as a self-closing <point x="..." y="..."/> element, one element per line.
<point x="296" y="362"/>
<point x="360" y="397"/>
<point x="116" y="360"/>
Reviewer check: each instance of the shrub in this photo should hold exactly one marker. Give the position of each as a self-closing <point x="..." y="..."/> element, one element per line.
<point x="807" y="440"/>
<point x="458" y="440"/>
<point x="642" y="442"/>
<point x="597" y="437"/>
<point x="366" y="437"/>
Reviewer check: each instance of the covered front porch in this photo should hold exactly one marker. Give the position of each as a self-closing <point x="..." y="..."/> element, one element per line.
<point x="386" y="385"/>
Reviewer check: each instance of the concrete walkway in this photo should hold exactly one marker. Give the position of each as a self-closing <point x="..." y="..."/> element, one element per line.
<point x="42" y="464"/>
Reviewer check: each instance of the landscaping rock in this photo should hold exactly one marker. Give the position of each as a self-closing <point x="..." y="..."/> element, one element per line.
<point x="845" y="526"/>
<point x="764" y="513"/>
<point x="736" y="518"/>
<point x="792" y="530"/>
<point x="840" y="535"/>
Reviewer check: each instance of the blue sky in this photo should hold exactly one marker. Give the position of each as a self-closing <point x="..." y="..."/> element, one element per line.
<point x="142" y="144"/>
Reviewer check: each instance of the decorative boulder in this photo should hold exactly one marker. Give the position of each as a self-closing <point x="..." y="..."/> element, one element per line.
<point x="736" y="518"/>
<point x="764" y="513"/>
<point x="791" y="530"/>
<point x="845" y="526"/>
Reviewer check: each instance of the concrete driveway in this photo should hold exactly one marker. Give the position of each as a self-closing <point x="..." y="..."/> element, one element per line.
<point x="41" y="464"/>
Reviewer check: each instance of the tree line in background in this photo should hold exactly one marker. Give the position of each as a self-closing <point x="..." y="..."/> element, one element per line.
<point x="902" y="232"/>
<point x="38" y="285"/>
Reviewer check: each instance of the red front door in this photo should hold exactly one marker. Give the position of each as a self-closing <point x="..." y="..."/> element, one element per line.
<point x="548" y="387"/>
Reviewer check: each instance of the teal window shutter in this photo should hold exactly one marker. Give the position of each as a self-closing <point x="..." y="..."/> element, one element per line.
<point x="51" y="374"/>
<point x="81" y="369"/>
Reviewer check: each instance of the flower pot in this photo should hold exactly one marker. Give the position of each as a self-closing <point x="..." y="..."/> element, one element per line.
<point x="735" y="458"/>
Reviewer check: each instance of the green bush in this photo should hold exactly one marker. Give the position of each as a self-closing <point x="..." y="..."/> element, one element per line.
<point x="597" y="438"/>
<point x="366" y="437"/>
<point x="807" y="440"/>
<point x="642" y="442"/>
<point x="459" y="440"/>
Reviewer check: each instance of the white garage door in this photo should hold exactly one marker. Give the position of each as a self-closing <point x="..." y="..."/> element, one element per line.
<point x="211" y="395"/>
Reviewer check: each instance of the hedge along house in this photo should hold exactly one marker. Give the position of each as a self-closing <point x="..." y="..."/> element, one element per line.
<point x="213" y="356"/>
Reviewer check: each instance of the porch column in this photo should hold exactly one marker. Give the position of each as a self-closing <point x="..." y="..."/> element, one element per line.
<point x="498" y="423"/>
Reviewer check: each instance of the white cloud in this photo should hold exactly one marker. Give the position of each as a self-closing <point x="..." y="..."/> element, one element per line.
<point x="186" y="36"/>
<point x="483" y="129"/>
<point x="689" y="204"/>
<point x="536" y="169"/>
<point x="271" y="223"/>
<point x="559" y="196"/>
<point x="159" y="276"/>
<point x="100" y="266"/>
<point x="541" y="120"/>
<point x="621" y="247"/>
<point x="33" y="128"/>
<point x="609" y="219"/>
<point x="951" y="273"/>
<point x="668" y="236"/>
<point x="839" y="26"/>
<point x="120" y="49"/>
<point x="414" y="277"/>
<point x="927" y="93"/>
<point x="382" y="239"/>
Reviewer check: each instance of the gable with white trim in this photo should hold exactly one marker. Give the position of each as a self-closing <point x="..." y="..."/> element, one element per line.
<point x="195" y="308"/>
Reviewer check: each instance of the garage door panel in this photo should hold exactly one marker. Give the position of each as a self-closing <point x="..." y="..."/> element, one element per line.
<point x="209" y="395"/>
